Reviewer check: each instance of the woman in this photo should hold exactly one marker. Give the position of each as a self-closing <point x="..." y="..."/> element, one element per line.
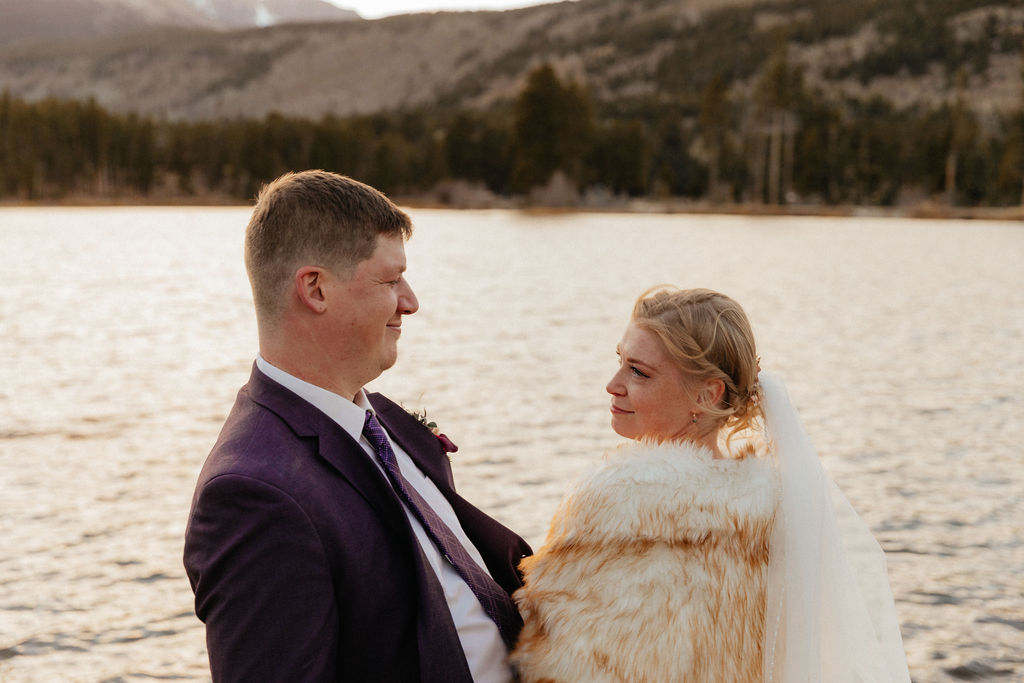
<point x="708" y="548"/>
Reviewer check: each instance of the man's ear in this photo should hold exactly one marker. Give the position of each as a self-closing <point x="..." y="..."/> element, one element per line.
<point x="309" y="288"/>
<point x="711" y="393"/>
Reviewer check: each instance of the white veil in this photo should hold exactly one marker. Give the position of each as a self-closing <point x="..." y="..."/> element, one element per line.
<point x="830" y="615"/>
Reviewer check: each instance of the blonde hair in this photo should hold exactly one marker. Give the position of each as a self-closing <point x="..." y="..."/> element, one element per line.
<point x="709" y="337"/>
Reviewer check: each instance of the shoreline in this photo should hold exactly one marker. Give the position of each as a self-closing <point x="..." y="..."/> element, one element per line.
<point x="923" y="210"/>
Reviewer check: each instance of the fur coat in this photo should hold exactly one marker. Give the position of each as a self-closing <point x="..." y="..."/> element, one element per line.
<point x="654" y="570"/>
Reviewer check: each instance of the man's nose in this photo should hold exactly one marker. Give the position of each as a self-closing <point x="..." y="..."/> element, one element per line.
<point x="407" y="301"/>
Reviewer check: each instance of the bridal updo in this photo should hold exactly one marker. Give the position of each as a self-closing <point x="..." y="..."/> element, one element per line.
<point x="709" y="336"/>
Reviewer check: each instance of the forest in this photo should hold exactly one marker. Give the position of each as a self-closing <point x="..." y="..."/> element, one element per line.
<point x="787" y="143"/>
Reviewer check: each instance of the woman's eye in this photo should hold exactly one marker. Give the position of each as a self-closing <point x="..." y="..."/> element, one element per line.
<point x="637" y="372"/>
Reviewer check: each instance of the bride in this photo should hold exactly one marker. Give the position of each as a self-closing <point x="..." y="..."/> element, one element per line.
<point x="712" y="547"/>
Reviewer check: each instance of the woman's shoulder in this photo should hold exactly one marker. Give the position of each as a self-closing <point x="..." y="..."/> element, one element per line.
<point x="674" y="490"/>
<point x="679" y="466"/>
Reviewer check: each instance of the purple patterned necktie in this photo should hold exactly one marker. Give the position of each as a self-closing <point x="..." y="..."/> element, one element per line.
<point x="493" y="598"/>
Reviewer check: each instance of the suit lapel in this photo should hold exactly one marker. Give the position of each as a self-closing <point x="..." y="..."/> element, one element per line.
<point x="416" y="440"/>
<point x="333" y="444"/>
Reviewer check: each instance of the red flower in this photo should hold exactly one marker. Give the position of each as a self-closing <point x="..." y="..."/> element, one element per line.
<point x="446" y="443"/>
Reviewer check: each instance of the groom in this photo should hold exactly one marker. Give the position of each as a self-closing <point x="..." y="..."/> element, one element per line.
<point x="326" y="541"/>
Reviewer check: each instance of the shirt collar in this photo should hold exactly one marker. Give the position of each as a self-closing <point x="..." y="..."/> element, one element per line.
<point x="349" y="415"/>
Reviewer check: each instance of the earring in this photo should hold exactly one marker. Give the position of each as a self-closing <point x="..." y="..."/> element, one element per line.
<point x="693" y="418"/>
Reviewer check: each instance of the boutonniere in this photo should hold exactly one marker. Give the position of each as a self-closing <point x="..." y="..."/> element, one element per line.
<point x="447" y="444"/>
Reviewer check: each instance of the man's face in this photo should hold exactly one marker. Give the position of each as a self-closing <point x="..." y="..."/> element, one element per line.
<point x="366" y="312"/>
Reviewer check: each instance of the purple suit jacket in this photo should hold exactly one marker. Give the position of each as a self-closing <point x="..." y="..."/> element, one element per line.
<point x="301" y="557"/>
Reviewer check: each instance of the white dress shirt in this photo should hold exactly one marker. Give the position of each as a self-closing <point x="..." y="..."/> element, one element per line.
<point x="480" y="638"/>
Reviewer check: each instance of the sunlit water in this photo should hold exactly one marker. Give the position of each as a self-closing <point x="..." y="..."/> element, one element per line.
<point x="126" y="333"/>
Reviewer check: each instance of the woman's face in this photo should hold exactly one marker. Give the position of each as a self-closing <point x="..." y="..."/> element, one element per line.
<point x="649" y="393"/>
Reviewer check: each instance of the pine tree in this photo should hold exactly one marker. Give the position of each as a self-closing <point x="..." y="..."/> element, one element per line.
<point x="553" y="126"/>
<point x="714" y="127"/>
<point x="962" y="134"/>
<point x="775" y="126"/>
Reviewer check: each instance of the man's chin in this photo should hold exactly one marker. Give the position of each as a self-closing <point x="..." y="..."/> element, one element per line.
<point x="389" y="360"/>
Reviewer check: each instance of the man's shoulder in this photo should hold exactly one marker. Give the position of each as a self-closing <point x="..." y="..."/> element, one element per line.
<point x="252" y="420"/>
<point x="259" y="442"/>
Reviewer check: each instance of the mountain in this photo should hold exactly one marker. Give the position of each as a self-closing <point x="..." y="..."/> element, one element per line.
<point x="31" y="21"/>
<point x="627" y="53"/>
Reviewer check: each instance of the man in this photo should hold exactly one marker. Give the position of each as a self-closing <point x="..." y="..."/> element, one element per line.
<point x="320" y="543"/>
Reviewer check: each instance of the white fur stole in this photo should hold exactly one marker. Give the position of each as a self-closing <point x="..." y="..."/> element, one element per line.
<point x="653" y="570"/>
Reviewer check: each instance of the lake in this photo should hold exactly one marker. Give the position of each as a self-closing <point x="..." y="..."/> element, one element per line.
<point x="126" y="333"/>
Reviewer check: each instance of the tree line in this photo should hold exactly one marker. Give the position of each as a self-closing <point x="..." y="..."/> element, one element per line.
<point x="784" y="143"/>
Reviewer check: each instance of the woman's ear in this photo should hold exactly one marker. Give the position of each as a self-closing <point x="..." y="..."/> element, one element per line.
<point x="309" y="288"/>
<point x="711" y="393"/>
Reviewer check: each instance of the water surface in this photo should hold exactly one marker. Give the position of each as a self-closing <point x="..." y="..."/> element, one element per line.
<point x="127" y="331"/>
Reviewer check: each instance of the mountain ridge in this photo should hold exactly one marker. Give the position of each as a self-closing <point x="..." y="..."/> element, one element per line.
<point x="649" y="50"/>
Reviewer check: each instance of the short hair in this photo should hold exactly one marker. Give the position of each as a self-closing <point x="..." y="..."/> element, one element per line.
<point x="313" y="218"/>
<point x="709" y="336"/>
